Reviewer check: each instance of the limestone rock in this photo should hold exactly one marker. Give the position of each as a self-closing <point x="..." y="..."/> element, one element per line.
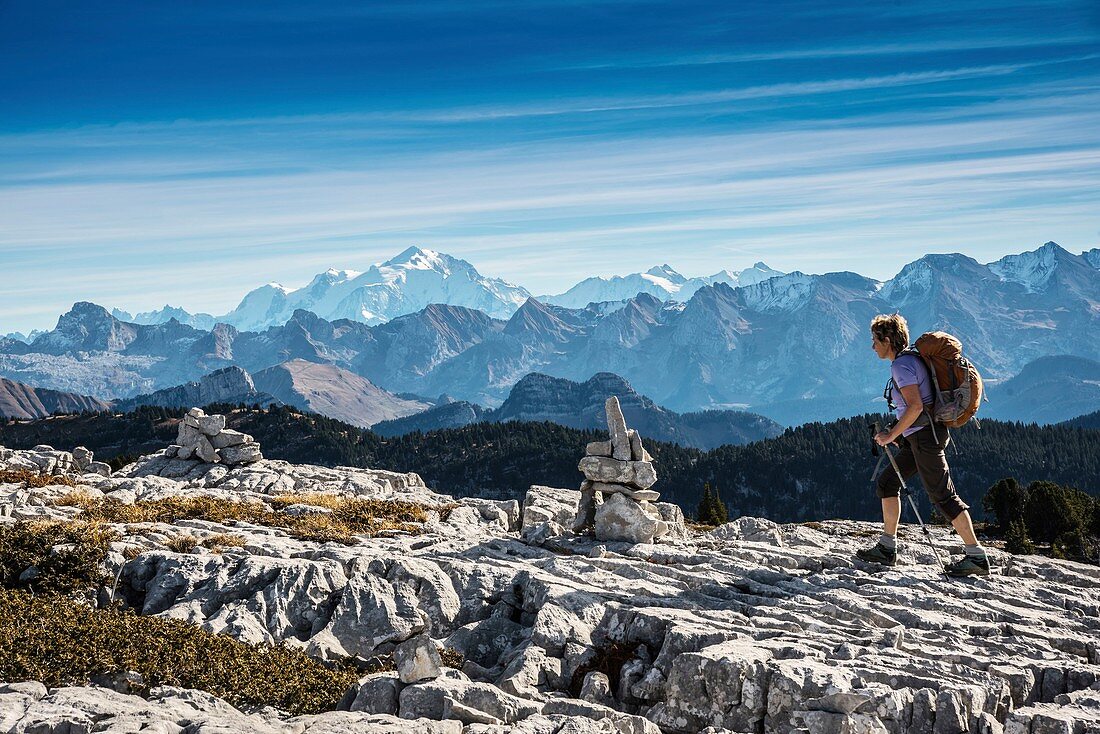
<point x="725" y="631"/>
<point x="638" y="495"/>
<point x="377" y="694"/>
<point x="638" y="474"/>
<point x="211" y="425"/>
<point x="637" y="450"/>
<point x="620" y="518"/>
<point x="539" y="533"/>
<point x="203" y="450"/>
<point x="596" y="687"/>
<point x="586" y="508"/>
<point x="229" y="437"/>
<point x="81" y="458"/>
<point x="752" y="529"/>
<point x="188" y="434"/>
<point x="488" y="641"/>
<point x="417" y="659"/>
<point x="598" y="448"/>
<point x="616" y="426"/>
<point x="98" y="467"/>
<point x="673" y="518"/>
<point x="245" y="453"/>
<point x="546" y="504"/>
<point x="429" y="700"/>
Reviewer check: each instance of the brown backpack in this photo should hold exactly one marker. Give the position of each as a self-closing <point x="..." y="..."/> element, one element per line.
<point x="957" y="386"/>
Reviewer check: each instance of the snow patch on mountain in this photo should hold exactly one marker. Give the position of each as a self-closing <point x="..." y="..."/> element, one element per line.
<point x="202" y="321"/>
<point x="660" y="281"/>
<point x="781" y="294"/>
<point x="914" y="280"/>
<point x="1030" y="269"/>
<point x="402" y="285"/>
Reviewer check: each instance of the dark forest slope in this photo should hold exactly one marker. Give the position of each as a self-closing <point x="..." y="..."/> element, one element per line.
<point x="815" y="471"/>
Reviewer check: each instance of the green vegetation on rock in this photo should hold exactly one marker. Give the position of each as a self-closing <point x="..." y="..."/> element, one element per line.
<point x="60" y="641"/>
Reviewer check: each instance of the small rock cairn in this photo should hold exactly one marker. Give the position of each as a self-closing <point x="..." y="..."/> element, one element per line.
<point x="616" y="499"/>
<point x="205" y="437"/>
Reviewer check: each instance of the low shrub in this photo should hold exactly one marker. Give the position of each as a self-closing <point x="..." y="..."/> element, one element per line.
<point x="65" y="556"/>
<point x="452" y="658"/>
<point x="59" y="641"/>
<point x="1074" y="545"/>
<point x="1052" y="510"/>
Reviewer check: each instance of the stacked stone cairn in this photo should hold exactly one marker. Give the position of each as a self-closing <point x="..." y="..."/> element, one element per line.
<point x="616" y="499"/>
<point x="205" y="438"/>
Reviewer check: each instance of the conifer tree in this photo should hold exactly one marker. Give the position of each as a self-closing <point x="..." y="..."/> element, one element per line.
<point x="721" y="512"/>
<point x="1017" y="540"/>
<point x="705" y="512"/>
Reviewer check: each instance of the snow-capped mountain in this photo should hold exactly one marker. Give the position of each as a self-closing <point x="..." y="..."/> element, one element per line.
<point x="660" y="281"/>
<point x="1032" y="269"/>
<point x="402" y="285"/>
<point x="1092" y="257"/>
<point x="162" y="316"/>
<point x="793" y="347"/>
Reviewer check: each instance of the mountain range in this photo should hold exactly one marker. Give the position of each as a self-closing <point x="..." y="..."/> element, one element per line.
<point x="418" y="277"/>
<point x="538" y="397"/>
<point x="23" y="402"/>
<point x="793" y="347"/>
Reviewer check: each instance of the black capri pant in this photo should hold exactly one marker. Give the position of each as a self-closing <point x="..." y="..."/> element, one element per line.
<point x="922" y="454"/>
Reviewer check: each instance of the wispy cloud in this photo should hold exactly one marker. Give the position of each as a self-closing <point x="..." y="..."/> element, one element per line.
<point x="786" y="90"/>
<point x="542" y="145"/>
<point x="911" y="48"/>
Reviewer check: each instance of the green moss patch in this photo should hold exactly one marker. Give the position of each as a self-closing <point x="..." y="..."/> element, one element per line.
<point x="53" y="556"/>
<point x="59" y="641"/>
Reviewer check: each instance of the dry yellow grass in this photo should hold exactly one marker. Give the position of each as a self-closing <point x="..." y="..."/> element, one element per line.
<point x="221" y="541"/>
<point x="347" y="517"/>
<point x="31" y="480"/>
<point x="182" y="543"/>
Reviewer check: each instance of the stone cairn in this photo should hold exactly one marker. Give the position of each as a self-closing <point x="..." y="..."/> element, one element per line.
<point x="616" y="499"/>
<point x="205" y="437"/>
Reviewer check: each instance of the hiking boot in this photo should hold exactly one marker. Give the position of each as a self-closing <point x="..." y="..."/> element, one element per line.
<point x="878" y="553"/>
<point x="968" y="566"/>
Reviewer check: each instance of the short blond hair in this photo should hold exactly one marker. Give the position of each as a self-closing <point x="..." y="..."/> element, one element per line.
<point x="892" y="329"/>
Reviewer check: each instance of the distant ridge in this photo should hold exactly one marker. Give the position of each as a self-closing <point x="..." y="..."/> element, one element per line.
<point x="538" y="397"/>
<point x="24" y="402"/>
<point x="228" y="385"/>
<point x="333" y="392"/>
<point x="1047" y="390"/>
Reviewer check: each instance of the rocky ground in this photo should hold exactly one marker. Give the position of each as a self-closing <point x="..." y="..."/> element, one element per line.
<point x="751" y="627"/>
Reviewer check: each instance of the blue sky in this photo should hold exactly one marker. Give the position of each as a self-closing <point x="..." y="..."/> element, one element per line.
<point x="184" y="153"/>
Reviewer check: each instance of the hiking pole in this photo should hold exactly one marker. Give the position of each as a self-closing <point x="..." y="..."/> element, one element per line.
<point x="909" y="496"/>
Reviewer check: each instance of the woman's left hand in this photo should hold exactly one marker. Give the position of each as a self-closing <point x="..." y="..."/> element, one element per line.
<point x="882" y="438"/>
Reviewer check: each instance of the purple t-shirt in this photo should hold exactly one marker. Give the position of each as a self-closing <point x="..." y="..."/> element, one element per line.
<point x="909" y="369"/>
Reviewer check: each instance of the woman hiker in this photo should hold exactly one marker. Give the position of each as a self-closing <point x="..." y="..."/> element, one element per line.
<point x="921" y="453"/>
